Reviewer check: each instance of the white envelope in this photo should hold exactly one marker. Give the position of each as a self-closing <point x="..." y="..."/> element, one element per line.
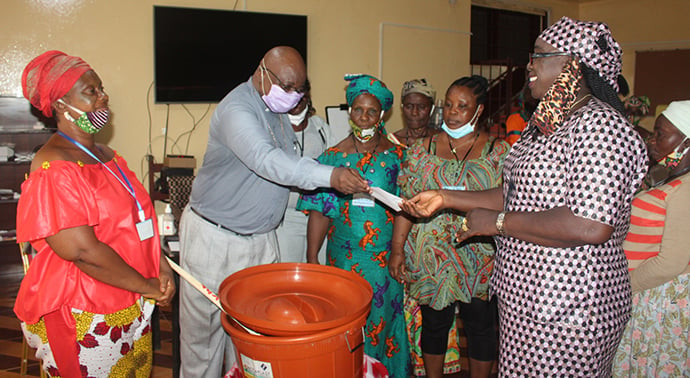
<point x="386" y="198"/>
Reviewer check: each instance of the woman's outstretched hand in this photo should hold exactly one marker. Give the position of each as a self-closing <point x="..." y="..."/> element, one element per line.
<point x="424" y="204"/>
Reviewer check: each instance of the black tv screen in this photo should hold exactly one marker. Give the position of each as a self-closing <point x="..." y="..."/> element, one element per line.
<point x="201" y="54"/>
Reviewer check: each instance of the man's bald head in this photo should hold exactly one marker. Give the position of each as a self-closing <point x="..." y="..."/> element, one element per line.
<point x="286" y="68"/>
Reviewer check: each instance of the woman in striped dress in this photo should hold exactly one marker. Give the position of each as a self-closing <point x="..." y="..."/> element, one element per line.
<point x="656" y="342"/>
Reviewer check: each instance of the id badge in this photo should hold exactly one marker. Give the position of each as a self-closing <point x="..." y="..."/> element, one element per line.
<point x="362" y="200"/>
<point x="145" y="229"/>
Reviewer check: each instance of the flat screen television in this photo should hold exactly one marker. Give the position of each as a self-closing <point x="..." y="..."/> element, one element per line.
<point x="201" y="54"/>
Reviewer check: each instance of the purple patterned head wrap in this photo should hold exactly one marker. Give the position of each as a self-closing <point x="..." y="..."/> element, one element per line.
<point x="591" y="42"/>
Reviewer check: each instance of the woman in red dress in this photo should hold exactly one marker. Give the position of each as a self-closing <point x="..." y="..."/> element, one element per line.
<point x="86" y="301"/>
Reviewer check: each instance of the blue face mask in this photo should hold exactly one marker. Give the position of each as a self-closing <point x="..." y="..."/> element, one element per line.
<point x="462" y="130"/>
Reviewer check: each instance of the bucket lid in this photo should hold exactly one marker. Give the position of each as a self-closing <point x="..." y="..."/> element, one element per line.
<point x="289" y="299"/>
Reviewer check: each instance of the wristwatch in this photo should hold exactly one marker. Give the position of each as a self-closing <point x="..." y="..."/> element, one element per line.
<point x="499" y="223"/>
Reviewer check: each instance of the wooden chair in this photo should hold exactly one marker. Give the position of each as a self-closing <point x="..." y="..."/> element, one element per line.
<point x="27" y="253"/>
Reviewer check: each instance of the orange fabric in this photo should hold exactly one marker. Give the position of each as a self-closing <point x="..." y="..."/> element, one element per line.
<point x="63" y="195"/>
<point x="49" y="76"/>
<point x="637" y="202"/>
<point x="644" y="222"/>
<point x="647" y="224"/>
<point x="515" y="124"/>
<point x="656" y="193"/>
<point x="641" y="238"/>
<point x="640" y="255"/>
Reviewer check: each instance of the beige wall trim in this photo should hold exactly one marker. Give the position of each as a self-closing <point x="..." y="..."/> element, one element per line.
<point x="512" y="5"/>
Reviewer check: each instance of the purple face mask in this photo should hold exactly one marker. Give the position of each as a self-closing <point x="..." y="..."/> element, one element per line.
<point x="277" y="99"/>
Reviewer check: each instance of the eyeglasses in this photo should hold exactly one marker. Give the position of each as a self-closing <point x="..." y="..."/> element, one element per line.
<point x="286" y="88"/>
<point x="533" y="56"/>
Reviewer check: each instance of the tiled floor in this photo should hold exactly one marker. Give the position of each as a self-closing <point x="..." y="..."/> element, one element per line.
<point x="11" y="334"/>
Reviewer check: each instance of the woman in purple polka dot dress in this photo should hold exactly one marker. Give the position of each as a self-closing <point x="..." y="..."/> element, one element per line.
<point x="560" y="217"/>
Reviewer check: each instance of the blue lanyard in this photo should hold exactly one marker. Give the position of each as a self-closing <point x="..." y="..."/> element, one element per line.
<point x="127" y="186"/>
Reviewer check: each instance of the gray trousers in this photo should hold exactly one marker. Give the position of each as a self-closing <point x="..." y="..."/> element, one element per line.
<point x="210" y="254"/>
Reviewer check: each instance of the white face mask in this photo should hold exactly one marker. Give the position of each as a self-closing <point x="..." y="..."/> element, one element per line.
<point x="298" y="118"/>
<point x="462" y="130"/>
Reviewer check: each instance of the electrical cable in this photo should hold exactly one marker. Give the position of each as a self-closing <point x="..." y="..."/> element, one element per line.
<point x="195" y="123"/>
<point x="167" y="123"/>
<point x="148" y="111"/>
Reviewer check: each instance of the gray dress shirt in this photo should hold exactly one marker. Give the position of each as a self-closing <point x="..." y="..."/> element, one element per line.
<point x="249" y="165"/>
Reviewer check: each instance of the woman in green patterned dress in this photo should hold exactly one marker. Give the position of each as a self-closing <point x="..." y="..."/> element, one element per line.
<point x="424" y="253"/>
<point x="359" y="229"/>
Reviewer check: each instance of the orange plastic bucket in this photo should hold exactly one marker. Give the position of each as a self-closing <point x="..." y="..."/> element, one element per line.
<point x="337" y="352"/>
<point x="294" y="299"/>
<point x="311" y="318"/>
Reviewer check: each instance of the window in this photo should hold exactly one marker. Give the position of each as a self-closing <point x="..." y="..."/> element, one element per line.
<point x="502" y="34"/>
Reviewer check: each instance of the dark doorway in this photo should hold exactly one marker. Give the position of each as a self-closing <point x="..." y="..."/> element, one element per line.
<point x="499" y="34"/>
<point x="662" y="76"/>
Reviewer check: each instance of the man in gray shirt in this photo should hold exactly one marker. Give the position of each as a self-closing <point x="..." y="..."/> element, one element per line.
<point x="239" y="197"/>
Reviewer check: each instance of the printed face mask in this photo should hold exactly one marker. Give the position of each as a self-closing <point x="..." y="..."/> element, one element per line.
<point x="672" y="160"/>
<point x="90" y="122"/>
<point x="277" y="99"/>
<point x="363" y="135"/>
<point x="555" y="105"/>
<point x="297" y="119"/>
<point x="462" y="130"/>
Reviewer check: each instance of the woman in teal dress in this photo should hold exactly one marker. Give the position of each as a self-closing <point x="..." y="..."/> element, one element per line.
<point x="359" y="228"/>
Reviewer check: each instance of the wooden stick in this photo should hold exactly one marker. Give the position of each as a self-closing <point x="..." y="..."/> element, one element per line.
<point x="205" y="291"/>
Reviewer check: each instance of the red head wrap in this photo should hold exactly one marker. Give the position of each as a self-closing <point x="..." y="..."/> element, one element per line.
<point x="49" y="77"/>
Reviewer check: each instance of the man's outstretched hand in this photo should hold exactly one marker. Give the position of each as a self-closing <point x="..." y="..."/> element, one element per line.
<point x="348" y="181"/>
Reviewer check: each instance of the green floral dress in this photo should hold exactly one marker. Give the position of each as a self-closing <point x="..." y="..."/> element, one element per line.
<point x="655" y="342"/>
<point x="439" y="271"/>
<point x="359" y="240"/>
<point x="442" y="272"/>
